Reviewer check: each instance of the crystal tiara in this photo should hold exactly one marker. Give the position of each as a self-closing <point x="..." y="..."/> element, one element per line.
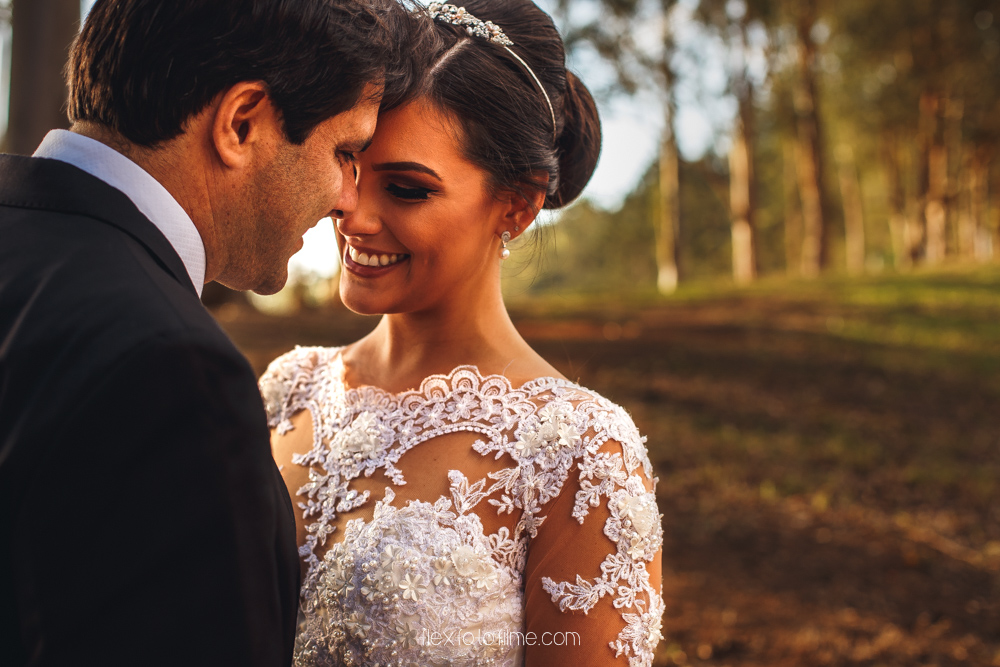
<point x="491" y="32"/>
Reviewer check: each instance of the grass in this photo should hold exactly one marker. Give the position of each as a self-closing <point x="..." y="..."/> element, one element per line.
<point x="828" y="455"/>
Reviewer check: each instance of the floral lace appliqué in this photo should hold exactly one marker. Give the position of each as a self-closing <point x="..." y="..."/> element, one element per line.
<point x="424" y="584"/>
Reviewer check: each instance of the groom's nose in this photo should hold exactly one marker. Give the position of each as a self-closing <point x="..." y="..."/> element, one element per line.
<point x="348" y="201"/>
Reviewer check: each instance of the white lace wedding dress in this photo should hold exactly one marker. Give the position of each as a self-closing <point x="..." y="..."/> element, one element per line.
<point x="546" y="511"/>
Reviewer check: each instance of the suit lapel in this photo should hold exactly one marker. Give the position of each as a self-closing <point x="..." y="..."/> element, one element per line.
<point x="51" y="185"/>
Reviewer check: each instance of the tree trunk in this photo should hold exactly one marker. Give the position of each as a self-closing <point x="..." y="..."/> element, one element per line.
<point x="793" y="212"/>
<point x="973" y="207"/>
<point x="954" y="112"/>
<point x="854" y="220"/>
<point x="993" y="237"/>
<point x="933" y="177"/>
<point x="914" y="165"/>
<point x="901" y="257"/>
<point x="936" y="211"/>
<point x="990" y="234"/>
<point x="741" y="193"/>
<point x="967" y="221"/>
<point x="809" y="153"/>
<point x="669" y="212"/>
<point x="43" y="33"/>
<point x="980" y="205"/>
<point x="813" y="254"/>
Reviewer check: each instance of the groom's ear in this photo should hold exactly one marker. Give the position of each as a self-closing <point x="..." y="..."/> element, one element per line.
<point x="244" y="119"/>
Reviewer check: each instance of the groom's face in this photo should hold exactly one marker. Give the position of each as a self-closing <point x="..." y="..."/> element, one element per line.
<point x="292" y="192"/>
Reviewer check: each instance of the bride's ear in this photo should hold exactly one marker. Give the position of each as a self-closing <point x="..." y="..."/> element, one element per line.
<point x="245" y="119"/>
<point x="523" y="205"/>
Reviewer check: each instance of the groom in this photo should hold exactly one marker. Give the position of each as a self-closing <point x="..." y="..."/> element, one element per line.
<point x="142" y="518"/>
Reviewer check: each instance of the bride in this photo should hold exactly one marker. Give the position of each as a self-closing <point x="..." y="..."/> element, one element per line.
<point x="462" y="503"/>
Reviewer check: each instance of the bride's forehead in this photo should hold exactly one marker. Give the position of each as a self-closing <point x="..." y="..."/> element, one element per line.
<point x="420" y="133"/>
<point x="419" y="122"/>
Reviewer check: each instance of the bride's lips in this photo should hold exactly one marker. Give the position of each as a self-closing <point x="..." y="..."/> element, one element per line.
<point x="355" y="259"/>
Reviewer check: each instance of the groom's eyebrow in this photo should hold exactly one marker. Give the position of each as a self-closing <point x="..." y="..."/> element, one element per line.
<point x="405" y="166"/>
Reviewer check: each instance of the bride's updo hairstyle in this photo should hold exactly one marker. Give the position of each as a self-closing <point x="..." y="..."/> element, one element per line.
<point x="506" y="120"/>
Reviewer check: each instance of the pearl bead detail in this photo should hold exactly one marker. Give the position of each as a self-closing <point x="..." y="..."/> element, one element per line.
<point x="504" y="251"/>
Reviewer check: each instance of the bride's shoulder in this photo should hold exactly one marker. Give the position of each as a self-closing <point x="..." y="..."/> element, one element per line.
<point x="593" y="424"/>
<point x="293" y="377"/>
<point x="587" y="403"/>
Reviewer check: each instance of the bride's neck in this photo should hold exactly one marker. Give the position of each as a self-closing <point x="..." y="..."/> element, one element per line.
<point x="407" y="347"/>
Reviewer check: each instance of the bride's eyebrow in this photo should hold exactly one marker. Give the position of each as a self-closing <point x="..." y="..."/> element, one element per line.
<point x="405" y="166"/>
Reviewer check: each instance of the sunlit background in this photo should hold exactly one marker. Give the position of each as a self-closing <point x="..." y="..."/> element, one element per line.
<point x="786" y="269"/>
<point x="632" y="129"/>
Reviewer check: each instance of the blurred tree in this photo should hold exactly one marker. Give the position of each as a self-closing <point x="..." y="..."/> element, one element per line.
<point x="616" y="31"/>
<point x="809" y="149"/>
<point x="929" y="82"/>
<point x="607" y="252"/>
<point x="854" y="219"/>
<point x="743" y="26"/>
<point x="43" y="31"/>
<point x="594" y="250"/>
<point x="792" y="210"/>
<point x="909" y="92"/>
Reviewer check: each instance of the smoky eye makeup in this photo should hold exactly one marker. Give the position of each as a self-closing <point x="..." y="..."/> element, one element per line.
<point x="409" y="192"/>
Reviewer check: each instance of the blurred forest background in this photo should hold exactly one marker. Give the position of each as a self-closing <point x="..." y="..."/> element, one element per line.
<point x="805" y="320"/>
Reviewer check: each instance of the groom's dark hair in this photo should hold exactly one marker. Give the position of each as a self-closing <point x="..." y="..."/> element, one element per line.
<point x="143" y="67"/>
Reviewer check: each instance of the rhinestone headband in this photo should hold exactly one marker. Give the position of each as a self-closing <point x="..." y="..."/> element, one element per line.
<point x="491" y="32"/>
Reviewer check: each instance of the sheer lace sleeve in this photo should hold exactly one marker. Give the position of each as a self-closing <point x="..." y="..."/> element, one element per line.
<point x="594" y="567"/>
<point x="291" y="383"/>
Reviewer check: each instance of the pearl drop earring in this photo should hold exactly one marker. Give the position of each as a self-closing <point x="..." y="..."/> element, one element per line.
<point x="504" y="251"/>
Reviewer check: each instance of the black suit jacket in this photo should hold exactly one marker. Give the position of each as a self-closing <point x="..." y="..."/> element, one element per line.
<point x="142" y="518"/>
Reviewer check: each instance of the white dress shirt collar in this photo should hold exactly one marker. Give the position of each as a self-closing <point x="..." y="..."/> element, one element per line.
<point x="151" y="198"/>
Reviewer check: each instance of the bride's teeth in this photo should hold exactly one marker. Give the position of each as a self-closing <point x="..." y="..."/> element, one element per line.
<point x="364" y="259"/>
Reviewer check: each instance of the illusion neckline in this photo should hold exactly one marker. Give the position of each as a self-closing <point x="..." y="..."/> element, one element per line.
<point x="337" y="362"/>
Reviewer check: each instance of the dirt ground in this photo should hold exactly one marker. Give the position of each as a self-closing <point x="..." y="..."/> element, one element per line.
<point x="829" y="472"/>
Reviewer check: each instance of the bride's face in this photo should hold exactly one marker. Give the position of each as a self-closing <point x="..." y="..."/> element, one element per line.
<point x="425" y="231"/>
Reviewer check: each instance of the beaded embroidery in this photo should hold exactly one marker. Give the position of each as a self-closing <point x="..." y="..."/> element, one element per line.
<point x="378" y="595"/>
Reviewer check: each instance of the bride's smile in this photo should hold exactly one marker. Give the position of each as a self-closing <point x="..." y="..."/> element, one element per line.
<point x="426" y="231"/>
<point x="362" y="261"/>
<point x="450" y="481"/>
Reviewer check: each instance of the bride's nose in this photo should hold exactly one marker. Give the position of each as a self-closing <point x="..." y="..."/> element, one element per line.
<point x="360" y="221"/>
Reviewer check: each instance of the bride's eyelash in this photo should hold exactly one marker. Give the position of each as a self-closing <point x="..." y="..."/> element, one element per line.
<point x="408" y="193"/>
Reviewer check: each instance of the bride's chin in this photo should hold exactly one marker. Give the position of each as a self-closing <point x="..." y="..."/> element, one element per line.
<point x="360" y="306"/>
<point x="363" y="304"/>
<point x="361" y="311"/>
<point x="366" y="299"/>
<point x="364" y="307"/>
